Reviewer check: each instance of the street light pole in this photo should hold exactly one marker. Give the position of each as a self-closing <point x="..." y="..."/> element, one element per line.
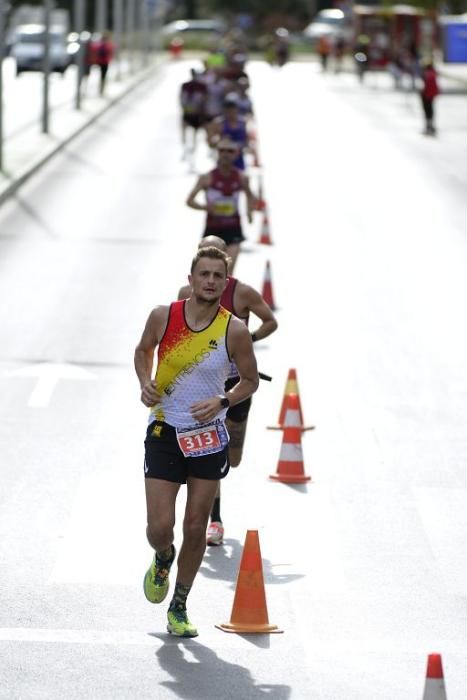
<point x="2" y="54"/>
<point x="130" y="31"/>
<point x="81" y="55"/>
<point x="101" y="15"/>
<point x="118" y="31"/>
<point x="46" y="67"/>
<point x="145" y="31"/>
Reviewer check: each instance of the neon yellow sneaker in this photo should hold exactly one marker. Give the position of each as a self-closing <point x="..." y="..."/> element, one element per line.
<point x="179" y="624"/>
<point x="156" y="580"/>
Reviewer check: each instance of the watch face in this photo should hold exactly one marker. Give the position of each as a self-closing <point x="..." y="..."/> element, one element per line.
<point x="225" y="402"/>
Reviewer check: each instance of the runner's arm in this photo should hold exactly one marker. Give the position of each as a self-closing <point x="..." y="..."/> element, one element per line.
<point x="241" y="351"/>
<point x="254" y="302"/>
<point x="213" y="132"/>
<point x="199" y="187"/>
<point x="144" y="354"/>
<point x="251" y="200"/>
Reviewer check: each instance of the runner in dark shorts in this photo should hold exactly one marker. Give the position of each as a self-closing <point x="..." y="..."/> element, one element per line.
<point x="222" y="188"/>
<point x="164" y="459"/>
<point x="230" y="236"/>
<point x="240" y="411"/>
<point x="193" y="95"/>
<point x="196" y="121"/>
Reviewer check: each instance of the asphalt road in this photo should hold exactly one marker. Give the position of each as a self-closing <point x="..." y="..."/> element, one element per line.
<point x="365" y="566"/>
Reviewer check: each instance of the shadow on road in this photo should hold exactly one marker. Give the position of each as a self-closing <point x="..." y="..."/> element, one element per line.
<point x="198" y="672"/>
<point x="222" y="563"/>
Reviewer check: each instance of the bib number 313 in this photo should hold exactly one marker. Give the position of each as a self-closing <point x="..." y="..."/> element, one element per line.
<point x="203" y="440"/>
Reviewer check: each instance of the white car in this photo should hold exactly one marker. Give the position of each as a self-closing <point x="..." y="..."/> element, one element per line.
<point x="331" y="23"/>
<point x="201" y="33"/>
<point x="28" y="49"/>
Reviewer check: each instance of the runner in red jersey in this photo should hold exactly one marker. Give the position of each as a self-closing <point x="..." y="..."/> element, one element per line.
<point x="222" y="188"/>
<point x="241" y="300"/>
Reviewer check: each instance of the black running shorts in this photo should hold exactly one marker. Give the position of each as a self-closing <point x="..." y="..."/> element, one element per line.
<point x="229" y="234"/>
<point x="163" y="458"/>
<point x="196" y="121"/>
<point x="239" y="412"/>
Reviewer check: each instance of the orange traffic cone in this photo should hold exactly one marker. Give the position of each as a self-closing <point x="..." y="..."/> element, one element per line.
<point x="291" y="387"/>
<point x="261" y="204"/>
<point x="267" y="287"/>
<point x="265" y="237"/>
<point x="293" y="415"/>
<point x="434" y="683"/>
<point x="249" y="611"/>
<point x="290" y="469"/>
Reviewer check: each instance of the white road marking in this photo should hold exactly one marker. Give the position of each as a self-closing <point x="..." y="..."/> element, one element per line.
<point x="210" y="636"/>
<point x="48" y="375"/>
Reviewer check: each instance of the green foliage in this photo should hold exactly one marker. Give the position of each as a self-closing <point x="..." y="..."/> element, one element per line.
<point x="261" y="9"/>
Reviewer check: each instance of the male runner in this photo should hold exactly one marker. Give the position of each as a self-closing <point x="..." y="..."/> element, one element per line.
<point x="241" y="300"/>
<point x="231" y="126"/>
<point x="186" y="439"/>
<point x="222" y="187"/>
<point x="193" y="96"/>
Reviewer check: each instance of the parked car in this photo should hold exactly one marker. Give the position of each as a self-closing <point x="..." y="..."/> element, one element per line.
<point x="331" y="23"/>
<point x="195" y="33"/>
<point x="28" y="48"/>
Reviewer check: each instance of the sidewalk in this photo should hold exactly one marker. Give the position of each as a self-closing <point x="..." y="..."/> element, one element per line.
<point x="23" y="156"/>
<point x="456" y="72"/>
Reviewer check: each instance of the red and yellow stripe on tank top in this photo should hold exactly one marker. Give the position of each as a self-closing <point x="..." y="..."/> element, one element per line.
<point x="190" y="360"/>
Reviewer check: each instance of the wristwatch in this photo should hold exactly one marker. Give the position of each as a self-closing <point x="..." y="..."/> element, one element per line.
<point x="225" y="403"/>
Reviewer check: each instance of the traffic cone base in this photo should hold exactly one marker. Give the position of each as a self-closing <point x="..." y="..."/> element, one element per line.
<point x="249" y="611"/>
<point x="249" y="629"/>
<point x="290" y="478"/>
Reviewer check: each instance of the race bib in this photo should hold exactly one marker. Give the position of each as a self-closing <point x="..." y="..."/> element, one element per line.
<point x="224" y="207"/>
<point x="203" y="440"/>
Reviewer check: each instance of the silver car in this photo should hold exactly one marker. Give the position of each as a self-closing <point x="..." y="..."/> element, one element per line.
<point x="28" y="49"/>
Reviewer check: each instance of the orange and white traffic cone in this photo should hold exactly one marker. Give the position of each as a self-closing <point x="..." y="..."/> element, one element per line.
<point x="267" y="287"/>
<point x="290" y="468"/>
<point x="249" y="611"/>
<point x="265" y="236"/>
<point x="293" y="415"/>
<point x="291" y="387"/>
<point x="434" y="683"/>
<point x="261" y="204"/>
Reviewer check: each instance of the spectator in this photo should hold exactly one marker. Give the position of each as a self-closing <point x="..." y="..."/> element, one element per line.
<point x="324" y="49"/>
<point x="429" y="91"/>
<point x="104" y="51"/>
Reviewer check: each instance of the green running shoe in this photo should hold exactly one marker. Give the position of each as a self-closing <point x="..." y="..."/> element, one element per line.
<point x="179" y="624"/>
<point x="156" y="580"/>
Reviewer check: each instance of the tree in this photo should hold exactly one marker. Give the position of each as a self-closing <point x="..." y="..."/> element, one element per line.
<point x="260" y="9"/>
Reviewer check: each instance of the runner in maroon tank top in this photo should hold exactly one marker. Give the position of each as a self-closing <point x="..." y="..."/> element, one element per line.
<point x="241" y="300"/>
<point x="222" y="188"/>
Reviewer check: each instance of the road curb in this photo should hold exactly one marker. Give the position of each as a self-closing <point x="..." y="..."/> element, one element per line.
<point x="19" y="180"/>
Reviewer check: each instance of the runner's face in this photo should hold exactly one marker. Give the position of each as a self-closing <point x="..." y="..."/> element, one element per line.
<point x="227" y="156"/>
<point x="208" y="280"/>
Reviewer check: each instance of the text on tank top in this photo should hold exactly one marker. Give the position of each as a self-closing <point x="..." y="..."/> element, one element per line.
<point x="192" y="365"/>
